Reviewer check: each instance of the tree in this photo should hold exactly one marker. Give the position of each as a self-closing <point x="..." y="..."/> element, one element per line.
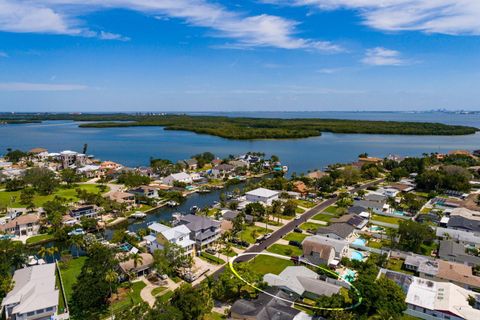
<point x="255" y="209"/>
<point x="41" y="179"/>
<point x="193" y="303"/>
<point x="390" y="299"/>
<point x="26" y="197"/>
<point x="228" y="287"/>
<point x="289" y="209"/>
<point x="112" y="278"/>
<point x="171" y="258"/>
<point x="14" y="184"/>
<point x="12" y="256"/>
<point x="137" y="259"/>
<point x="15" y="155"/>
<point x="78" y="242"/>
<point x="132" y="180"/>
<point x="69" y="176"/>
<point x="91" y="291"/>
<point x="413" y="234"/>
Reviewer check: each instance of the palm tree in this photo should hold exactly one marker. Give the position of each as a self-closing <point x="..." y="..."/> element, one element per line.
<point x="51" y="251"/>
<point x="137" y="259"/>
<point x="42" y="252"/>
<point x="111" y="277"/>
<point x="78" y="242"/>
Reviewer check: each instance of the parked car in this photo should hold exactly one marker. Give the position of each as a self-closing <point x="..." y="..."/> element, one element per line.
<point x="210" y="250"/>
<point x="295" y="243"/>
<point x="298" y="230"/>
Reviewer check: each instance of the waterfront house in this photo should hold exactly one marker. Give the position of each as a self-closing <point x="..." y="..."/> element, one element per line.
<point x="262" y="195"/>
<point x="301" y="282"/>
<point x="317" y="174"/>
<point x="34" y="295"/>
<point x="222" y="170"/>
<point x="90" y="171"/>
<point x="203" y="230"/>
<point x="340" y="246"/>
<point x="161" y="234"/>
<point x="122" y="197"/>
<point x="144" y="191"/>
<point x="24" y="225"/>
<point x="318" y="253"/>
<point x="88" y="211"/>
<point x="267" y="307"/>
<point x="181" y="177"/>
<point x="143" y="267"/>
<point x="70" y="159"/>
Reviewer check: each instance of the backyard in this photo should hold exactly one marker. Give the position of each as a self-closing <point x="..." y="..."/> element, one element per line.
<point x="295" y="236"/>
<point x="323" y="217"/>
<point x="251" y="233"/>
<point x="131" y="296"/>
<point x="310" y="226"/>
<point x="12" y="198"/>
<point x="70" y="271"/>
<point x="285" y="250"/>
<point x="266" y="264"/>
<point x="391" y="220"/>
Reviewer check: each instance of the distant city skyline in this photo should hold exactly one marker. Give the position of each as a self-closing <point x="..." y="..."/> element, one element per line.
<point x="253" y="55"/>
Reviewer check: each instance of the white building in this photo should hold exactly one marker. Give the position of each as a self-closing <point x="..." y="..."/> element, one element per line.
<point x="262" y="195"/>
<point x="161" y="234"/>
<point x="431" y="300"/>
<point x="178" y="177"/>
<point x="34" y="296"/>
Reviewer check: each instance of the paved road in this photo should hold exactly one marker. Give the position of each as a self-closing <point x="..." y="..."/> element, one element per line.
<point x="287" y="228"/>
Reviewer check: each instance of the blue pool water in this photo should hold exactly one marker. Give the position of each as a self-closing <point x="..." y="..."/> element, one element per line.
<point x="400" y="213"/>
<point x="356" y="255"/>
<point x="349" y="275"/>
<point x="376" y="228"/>
<point x="359" y="242"/>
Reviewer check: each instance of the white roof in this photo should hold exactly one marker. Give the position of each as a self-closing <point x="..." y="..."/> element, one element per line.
<point x="34" y="289"/>
<point x="262" y="192"/>
<point x="180" y="176"/>
<point x="445" y="219"/>
<point x="89" y="168"/>
<point x="68" y="152"/>
<point x="176" y="232"/>
<point x="442" y="296"/>
<point x="158" y="227"/>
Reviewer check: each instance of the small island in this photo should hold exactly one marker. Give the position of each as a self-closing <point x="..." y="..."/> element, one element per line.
<point x="243" y="128"/>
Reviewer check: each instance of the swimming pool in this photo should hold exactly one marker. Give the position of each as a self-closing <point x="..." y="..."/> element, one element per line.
<point x="399" y="213"/>
<point x="356" y="255"/>
<point x="360" y="242"/>
<point x="349" y="275"/>
<point x="376" y="228"/>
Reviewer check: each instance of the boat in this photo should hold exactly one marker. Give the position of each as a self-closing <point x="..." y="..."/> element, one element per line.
<point x="204" y="190"/>
<point x="285" y="168"/>
<point x="76" y="232"/>
<point x="193" y="209"/>
<point x="139" y="215"/>
<point x="172" y="203"/>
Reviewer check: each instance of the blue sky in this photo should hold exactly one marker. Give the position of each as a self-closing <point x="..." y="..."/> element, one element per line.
<point x="272" y="55"/>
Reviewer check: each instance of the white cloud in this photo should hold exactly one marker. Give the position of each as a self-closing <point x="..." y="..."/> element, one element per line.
<point x="454" y="17"/>
<point x="62" y="17"/>
<point x="28" y="86"/>
<point x="112" y="36"/>
<point x="383" y="57"/>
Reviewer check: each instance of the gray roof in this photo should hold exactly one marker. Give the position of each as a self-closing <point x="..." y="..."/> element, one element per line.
<point x="356" y="210"/>
<point x="343" y="230"/>
<point x="265" y="307"/>
<point x="198" y="223"/>
<point x="459" y="222"/>
<point x="368" y="204"/>
<point x="375" y="197"/>
<point x="451" y="250"/>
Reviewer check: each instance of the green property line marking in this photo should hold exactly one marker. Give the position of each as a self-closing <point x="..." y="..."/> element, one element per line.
<point x="231" y="261"/>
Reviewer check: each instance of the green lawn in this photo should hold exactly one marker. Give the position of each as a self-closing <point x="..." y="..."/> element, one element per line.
<point x="132" y="298"/>
<point x="310" y="226"/>
<point x="295" y="236"/>
<point x="299" y="210"/>
<point x="374" y="244"/>
<point x="386" y="219"/>
<point x="246" y="235"/>
<point x="166" y="297"/>
<point x="323" y="217"/>
<point x="305" y="203"/>
<point x="267" y="264"/>
<point x="331" y="209"/>
<point x="40" y="238"/>
<point x="285" y="250"/>
<point x="214" y="316"/>
<point x="70" y="272"/>
<point x="211" y="258"/>
<point x="397" y="265"/>
<point x="11" y="199"/>
<point x="158" y="290"/>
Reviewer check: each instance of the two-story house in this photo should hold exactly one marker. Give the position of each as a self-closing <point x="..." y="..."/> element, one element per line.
<point x="161" y="234"/>
<point x="203" y="230"/>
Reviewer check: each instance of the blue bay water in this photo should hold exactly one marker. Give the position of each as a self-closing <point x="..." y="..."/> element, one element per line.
<point x="135" y="146"/>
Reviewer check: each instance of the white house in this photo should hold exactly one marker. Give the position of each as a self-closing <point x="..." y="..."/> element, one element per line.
<point x="34" y="295"/>
<point x="161" y="234"/>
<point x="262" y="195"/>
<point x="24" y="225"/>
<point x="178" y="177"/>
<point x="429" y="300"/>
